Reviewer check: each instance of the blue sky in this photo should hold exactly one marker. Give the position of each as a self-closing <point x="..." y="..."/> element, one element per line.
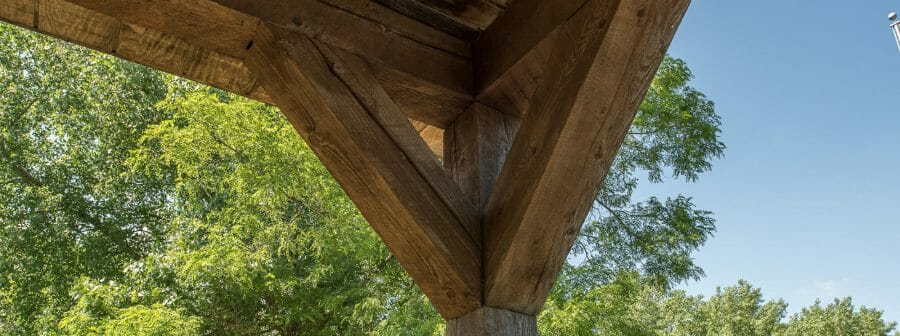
<point x="806" y="196"/>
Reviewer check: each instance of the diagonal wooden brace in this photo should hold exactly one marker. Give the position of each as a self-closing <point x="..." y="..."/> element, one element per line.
<point x="603" y="59"/>
<point x="379" y="159"/>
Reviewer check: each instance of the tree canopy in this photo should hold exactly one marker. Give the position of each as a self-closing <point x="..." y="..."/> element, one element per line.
<point x="136" y="203"/>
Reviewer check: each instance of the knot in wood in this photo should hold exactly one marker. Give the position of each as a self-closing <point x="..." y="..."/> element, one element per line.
<point x="286" y="46"/>
<point x="338" y="68"/>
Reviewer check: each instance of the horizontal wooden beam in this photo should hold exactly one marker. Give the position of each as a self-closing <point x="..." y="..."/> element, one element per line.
<point x="361" y="136"/>
<point x="605" y="57"/>
<point x="172" y="54"/>
<point x="135" y="43"/>
<point x="203" y="23"/>
<point x="464" y="19"/>
<point x="428" y="72"/>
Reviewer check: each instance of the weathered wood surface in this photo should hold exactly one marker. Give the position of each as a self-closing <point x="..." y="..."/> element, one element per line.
<point x="605" y="56"/>
<point x="203" y="23"/>
<point x="428" y="73"/>
<point x="177" y="56"/>
<point x="532" y="124"/>
<point x="132" y="42"/>
<point x="510" y="60"/>
<point x="433" y="136"/>
<point x="464" y="19"/>
<point x="488" y="321"/>
<point x="375" y="154"/>
<point x="475" y="148"/>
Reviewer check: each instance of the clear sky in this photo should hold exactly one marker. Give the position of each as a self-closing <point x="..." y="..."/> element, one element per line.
<point x="806" y="196"/>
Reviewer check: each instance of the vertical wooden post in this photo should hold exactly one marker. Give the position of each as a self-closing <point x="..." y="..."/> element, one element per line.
<point x="489" y="321"/>
<point x="475" y="148"/>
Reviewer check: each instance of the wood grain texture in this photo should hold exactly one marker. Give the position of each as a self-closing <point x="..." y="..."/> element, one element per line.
<point x="604" y="60"/>
<point x="464" y="19"/>
<point x="204" y="23"/>
<point x="420" y="100"/>
<point x="174" y="55"/>
<point x="432" y="17"/>
<point x="512" y="93"/>
<point x="415" y="67"/>
<point x="435" y="67"/>
<point x="488" y="321"/>
<point x="475" y="148"/>
<point x="512" y="54"/>
<point x="379" y="160"/>
<point x="433" y="136"/>
<point x="134" y="43"/>
<point x="404" y="26"/>
<point x="19" y="12"/>
<point x="475" y="13"/>
<point x="520" y="28"/>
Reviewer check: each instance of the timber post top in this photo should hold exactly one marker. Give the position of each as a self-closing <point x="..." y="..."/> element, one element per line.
<point x="473" y="135"/>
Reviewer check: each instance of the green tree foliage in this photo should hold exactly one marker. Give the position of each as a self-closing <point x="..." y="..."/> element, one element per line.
<point x="733" y="311"/>
<point x="638" y="307"/>
<point x="624" y="307"/>
<point x="839" y="318"/>
<point x="68" y="119"/>
<point x="263" y="240"/>
<point x="133" y="203"/>
<point x="675" y="132"/>
<point x="129" y="196"/>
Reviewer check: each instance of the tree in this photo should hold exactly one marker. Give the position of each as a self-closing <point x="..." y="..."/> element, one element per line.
<point x="636" y="306"/>
<point x="839" y="318"/>
<point x="676" y="132"/>
<point x="625" y="307"/>
<point x="137" y="203"/>
<point x="263" y="240"/>
<point x="232" y="228"/>
<point x="741" y="310"/>
<point x="738" y="310"/>
<point x="68" y="119"/>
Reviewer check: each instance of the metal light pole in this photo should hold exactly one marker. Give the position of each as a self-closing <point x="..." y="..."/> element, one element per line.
<point x="895" y="27"/>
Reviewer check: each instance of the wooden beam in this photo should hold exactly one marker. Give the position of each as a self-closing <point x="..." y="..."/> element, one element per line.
<point x="174" y="55"/>
<point x="511" y="55"/>
<point x="605" y="57"/>
<point x="360" y="135"/>
<point x="476" y="13"/>
<point x="204" y="23"/>
<point x="433" y="17"/>
<point x="475" y="148"/>
<point x="464" y="19"/>
<point x="488" y="321"/>
<point x="135" y="43"/>
<point x="346" y="71"/>
<point x="433" y="136"/>
<point x="428" y="72"/>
